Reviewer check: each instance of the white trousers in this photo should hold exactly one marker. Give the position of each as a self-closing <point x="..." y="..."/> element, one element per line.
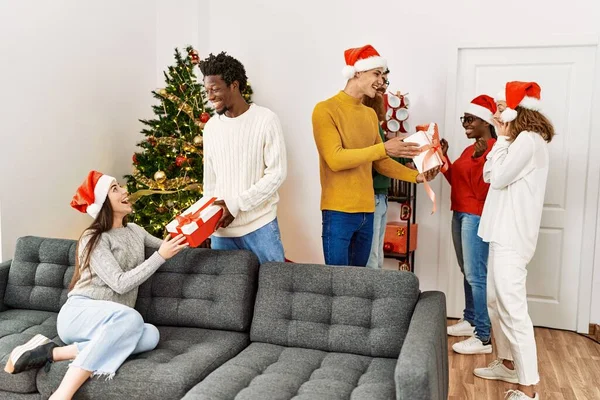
<point x="507" y="307"/>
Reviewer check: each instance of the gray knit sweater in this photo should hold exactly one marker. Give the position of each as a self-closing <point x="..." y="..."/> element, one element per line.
<point x="117" y="265"/>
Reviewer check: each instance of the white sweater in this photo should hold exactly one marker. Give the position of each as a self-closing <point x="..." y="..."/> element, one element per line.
<point x="517" y="173"/>
<point x="245" y="164"/>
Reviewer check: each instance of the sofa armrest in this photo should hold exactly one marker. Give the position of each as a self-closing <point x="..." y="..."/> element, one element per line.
<point x="422" y="368"/>
<point x="4" y="268"/>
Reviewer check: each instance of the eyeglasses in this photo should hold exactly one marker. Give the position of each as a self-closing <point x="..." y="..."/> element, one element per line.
<point x="386" y="82"/>
<point x="468" y="119"/>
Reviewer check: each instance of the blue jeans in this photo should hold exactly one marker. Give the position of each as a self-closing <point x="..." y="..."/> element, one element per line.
<point x="379" y="223"/>
<point x="265" y="242"/>
<point x="347" y="238"/>
<point x="472" y="254"/>
<point x="105" y="333"/>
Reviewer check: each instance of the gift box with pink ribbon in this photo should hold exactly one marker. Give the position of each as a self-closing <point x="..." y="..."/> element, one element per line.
<point x="198" y="222"/>
<point x="428" y="137"/>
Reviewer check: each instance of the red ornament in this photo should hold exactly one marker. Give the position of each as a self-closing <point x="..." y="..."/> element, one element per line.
<point x="152" y="141"/>
<point x="194" y="56"/>
<point x="204" y="117"/>
<point x="405" y="212"/>
<point x="180" y="160"/>
<point x="134" y="158"/>
<point x="388" y="247"/>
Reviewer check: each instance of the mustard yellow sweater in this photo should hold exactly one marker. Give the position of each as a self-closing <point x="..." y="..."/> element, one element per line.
<point x="347" y="137"/>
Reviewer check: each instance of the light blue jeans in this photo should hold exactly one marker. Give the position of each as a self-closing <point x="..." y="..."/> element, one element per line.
<point x="379" y="223"/>
<point x="265" y="242"/>
<point x="105" y="333"/>
<point x="472" y="254"/>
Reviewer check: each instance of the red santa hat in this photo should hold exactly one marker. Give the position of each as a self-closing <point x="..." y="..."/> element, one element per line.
<point x="92" y="193"/>
<point x="362" y="59"/>
<point x="520" y="94"/>
<point x="482" y="106"/>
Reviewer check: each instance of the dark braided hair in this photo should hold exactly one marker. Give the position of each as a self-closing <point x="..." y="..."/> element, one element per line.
<point x="227" y="67"/>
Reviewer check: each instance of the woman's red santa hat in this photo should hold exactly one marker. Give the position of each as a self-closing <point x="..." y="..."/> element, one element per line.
<point x="520" y="94"/>
<point x="482" y="106"/>
<point x="92" y="193"/>
<point x="362" y="59"/>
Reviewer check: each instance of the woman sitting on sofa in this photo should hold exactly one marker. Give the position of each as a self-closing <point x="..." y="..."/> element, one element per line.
<point x="98" y="322"/>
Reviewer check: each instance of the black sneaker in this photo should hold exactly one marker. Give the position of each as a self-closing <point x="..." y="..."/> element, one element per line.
<point x="31" y="355"/>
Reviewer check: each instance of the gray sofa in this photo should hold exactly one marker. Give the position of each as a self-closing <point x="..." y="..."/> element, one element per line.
<point x="337" y="333"/>
<point x="317" y="332"/>
<point x="200" y="300"/>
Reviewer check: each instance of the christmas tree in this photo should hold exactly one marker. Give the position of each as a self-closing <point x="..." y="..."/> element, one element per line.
<point x="167" y="172"/>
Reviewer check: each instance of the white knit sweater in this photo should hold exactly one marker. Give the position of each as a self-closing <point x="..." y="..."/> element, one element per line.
<point x="517" y="173"/>
<point x="245" y="164"/>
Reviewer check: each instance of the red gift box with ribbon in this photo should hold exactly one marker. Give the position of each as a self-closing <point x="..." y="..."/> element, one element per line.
<point x="395" y="237"/>
<point x="198" y="222"/>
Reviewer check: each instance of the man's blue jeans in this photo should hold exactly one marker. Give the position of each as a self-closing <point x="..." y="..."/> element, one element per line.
<point x="265" y="242"/>
<point x="347" y="237"/>
<point x="472" y="254"/>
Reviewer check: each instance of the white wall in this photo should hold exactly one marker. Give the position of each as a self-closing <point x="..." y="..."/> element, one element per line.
<point x="293" y="53"/>
<point x="77" y="76"/>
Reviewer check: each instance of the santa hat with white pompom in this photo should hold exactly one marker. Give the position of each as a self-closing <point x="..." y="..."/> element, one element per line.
<point x="92" y="193"/>
<point x="519" y="94"/>
<point x="362" y="59"/>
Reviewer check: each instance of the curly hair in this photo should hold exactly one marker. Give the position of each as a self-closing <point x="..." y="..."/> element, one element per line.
<point x="227" y="67"/>
<point x="532" y="121"/>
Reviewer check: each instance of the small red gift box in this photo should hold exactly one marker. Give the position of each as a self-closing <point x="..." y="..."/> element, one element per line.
<point x="198" y="222"/>
<point x="395" y="237"/>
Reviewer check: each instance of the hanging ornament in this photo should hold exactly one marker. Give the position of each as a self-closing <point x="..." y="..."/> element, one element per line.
<point x="183" y="87"/>
<point x="189" y="148"/>
<point x="204" y="117"/>
<point x="198" y="140"/>
<point x="161" y="210"/>
<point x="152" y="141"/>
<point x="405" y="212"/>
<point x="170" y="203"/>
<point x="180" y="160"/>
<point x="404" y="266"/>
<point x="388" y="247"/>
<point x="134" y="158"/>
<point x="160" y="176"/>
<point x="194" y="56"/>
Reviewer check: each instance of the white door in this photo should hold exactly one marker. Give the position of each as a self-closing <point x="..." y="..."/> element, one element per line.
<point x="566" y="75"/>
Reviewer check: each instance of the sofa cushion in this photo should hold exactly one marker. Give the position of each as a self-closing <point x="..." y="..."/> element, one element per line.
<point x="347" y="310"/>
<point x="267" y="371"/>
<point x="40" y="273"/>
<point x="202" y="288"/>
<point x="16" y="328"/>
<point x="184" y="356"/>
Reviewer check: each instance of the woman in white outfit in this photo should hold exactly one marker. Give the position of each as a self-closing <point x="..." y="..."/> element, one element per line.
<point x="517" y="170"/>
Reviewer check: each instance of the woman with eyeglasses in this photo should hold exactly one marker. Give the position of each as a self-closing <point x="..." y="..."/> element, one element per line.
<point x="468" y="194"/>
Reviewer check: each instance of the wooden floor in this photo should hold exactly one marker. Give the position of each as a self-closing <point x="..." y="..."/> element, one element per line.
<point x="569" y="366"/>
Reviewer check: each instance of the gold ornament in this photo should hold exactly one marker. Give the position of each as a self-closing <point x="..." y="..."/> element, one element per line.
<point x="160" y="177"/>
<point x="198" y="140"/>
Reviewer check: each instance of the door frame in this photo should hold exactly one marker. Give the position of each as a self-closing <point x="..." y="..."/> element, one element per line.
<point x="590" y="248"/>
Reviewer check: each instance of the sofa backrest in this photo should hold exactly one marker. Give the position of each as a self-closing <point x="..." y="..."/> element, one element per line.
<point x="339" y="309"/>
<point x="202" y="288"/>
<point x="197" y="288"/>
<point x="40" y="273"/>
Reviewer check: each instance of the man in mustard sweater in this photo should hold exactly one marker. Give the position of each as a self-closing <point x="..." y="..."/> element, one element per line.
<point x="347" y="137"/>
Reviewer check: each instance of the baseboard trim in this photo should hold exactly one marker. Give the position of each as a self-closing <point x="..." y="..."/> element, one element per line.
<point x="594" y="332"/>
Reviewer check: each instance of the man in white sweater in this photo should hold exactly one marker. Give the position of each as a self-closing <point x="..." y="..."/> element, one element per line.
<point x="244" y="162"/>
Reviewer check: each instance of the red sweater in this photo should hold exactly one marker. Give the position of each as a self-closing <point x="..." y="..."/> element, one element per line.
<point x="465" y="176"/>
